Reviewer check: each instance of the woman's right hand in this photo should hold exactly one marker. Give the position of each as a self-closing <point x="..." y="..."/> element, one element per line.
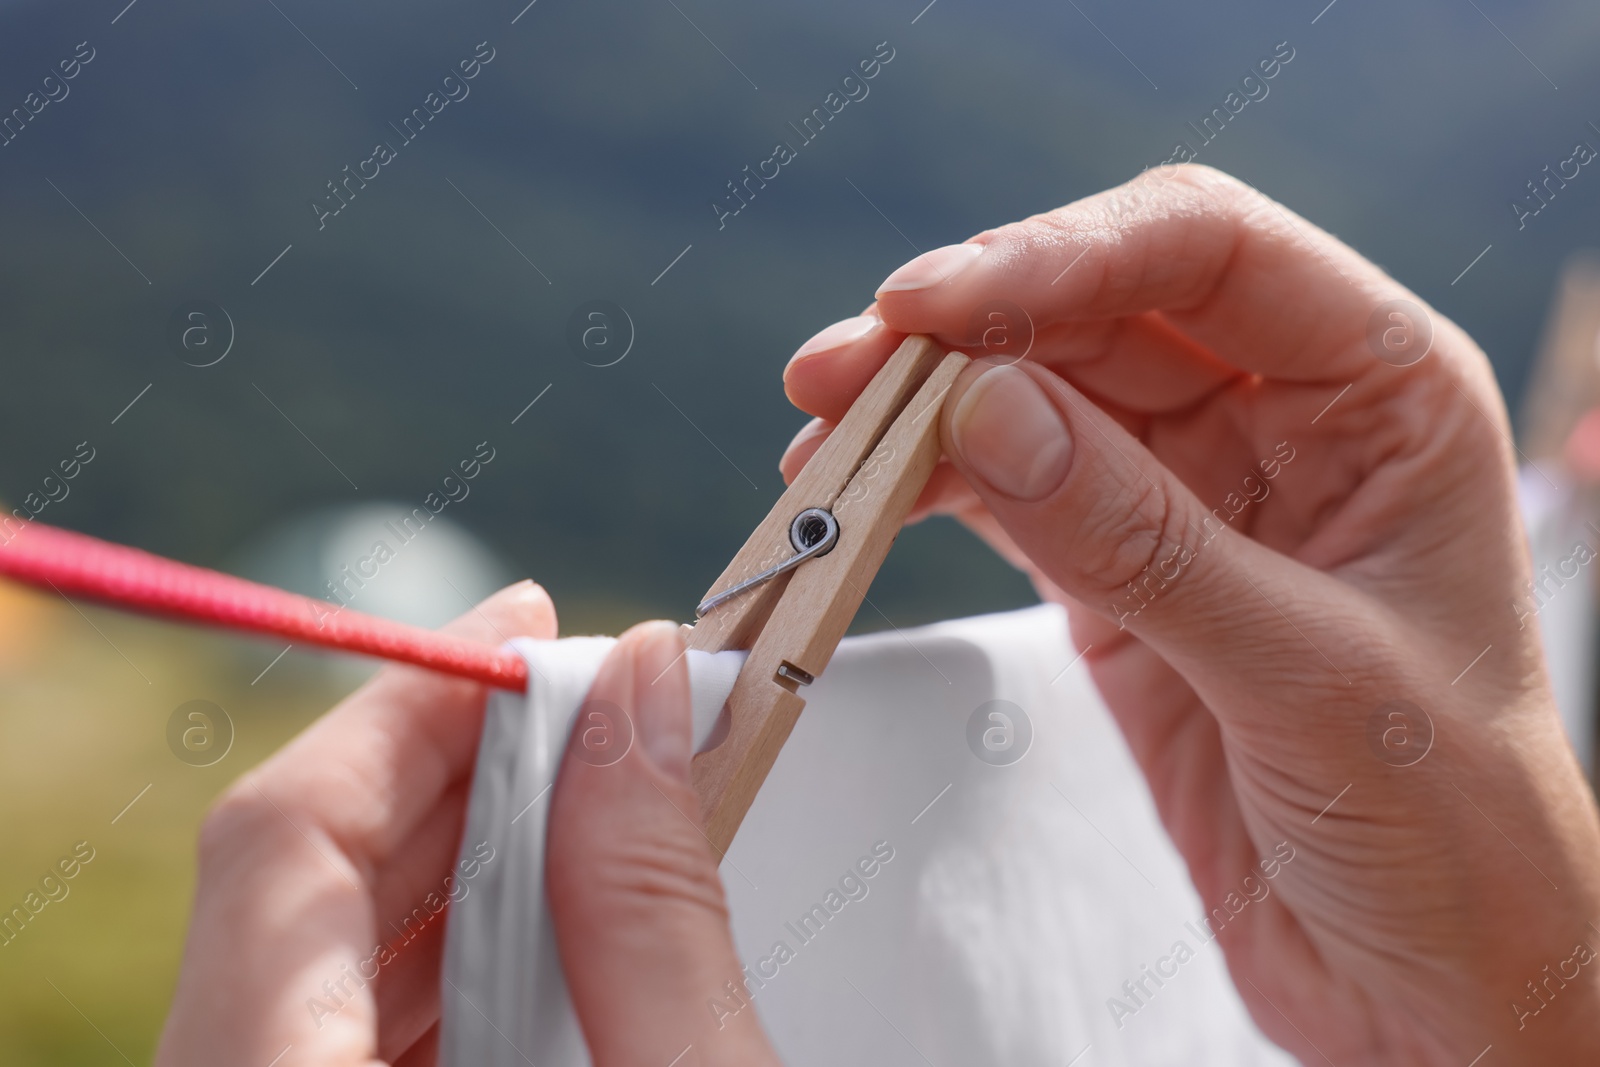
<point x="1292" y="565"/>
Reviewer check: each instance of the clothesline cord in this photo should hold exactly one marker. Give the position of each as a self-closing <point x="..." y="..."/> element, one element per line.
<point x="74" y="564"/>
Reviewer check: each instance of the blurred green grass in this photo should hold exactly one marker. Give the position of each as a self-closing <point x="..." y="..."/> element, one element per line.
<point x="84" y="703"/>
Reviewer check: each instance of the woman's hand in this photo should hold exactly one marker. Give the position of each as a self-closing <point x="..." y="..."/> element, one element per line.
<point x="319" y="912"/>
<point x="1292" y="564"/>
<point x="325" y="877"/>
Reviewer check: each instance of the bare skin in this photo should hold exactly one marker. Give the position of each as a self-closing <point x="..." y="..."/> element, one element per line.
<point x="1188" y="335"/>
<point x="1204" y="326"/>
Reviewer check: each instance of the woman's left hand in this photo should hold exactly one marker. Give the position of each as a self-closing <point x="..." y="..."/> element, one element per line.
<point x="319" y="912"/>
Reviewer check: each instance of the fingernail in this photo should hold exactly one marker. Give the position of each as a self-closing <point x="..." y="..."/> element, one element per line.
<point x="836" y="336"/>
<point x="931" y="268"/>
<point x="1011" y="435"/>
<point x="661" y="688"/>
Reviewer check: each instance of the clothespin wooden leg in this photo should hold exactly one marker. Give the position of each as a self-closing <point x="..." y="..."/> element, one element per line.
<point x="884" y="476"/>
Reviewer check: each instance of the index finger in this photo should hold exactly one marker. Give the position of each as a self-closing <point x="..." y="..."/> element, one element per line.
<point x="1266" y="291"/>
<point x="371" y="769"/>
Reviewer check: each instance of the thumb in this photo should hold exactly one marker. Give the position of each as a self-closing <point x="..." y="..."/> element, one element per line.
<point x="1115" y="530"/>
<point x="640" y="918"/>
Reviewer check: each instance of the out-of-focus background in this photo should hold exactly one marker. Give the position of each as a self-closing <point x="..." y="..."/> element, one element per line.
<point x="342" y="365"/>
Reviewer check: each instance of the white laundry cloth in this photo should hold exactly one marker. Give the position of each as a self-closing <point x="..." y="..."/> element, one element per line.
<point x="1564" y="542"/>
<point x="504" y="999"/>
<point x="954" y="861"/>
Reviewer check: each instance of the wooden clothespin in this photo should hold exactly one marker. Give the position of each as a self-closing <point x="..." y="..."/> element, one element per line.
<point x="799" y="579"/>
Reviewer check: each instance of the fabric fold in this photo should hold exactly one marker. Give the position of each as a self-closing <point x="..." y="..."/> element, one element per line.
<point x="504" y="1000"/>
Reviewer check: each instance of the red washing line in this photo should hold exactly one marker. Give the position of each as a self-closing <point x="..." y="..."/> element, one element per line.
<point x="75" y="564"/>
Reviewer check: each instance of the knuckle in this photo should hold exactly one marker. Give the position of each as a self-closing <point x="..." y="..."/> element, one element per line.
<point x="644" y="879"/>
<point x="235" y="822"/>
<point x="1197" y="189"/>
<point x="1143" y="553"/>
<point x="646" y="875"/>
<point x="1124" y="538"/>
<point x="1180" y="221"/>
<point x="1182" y="188"/>
<point x="246" y="828"/>
<point x="642" y="866"/>
<point x="1210" y="212"/>
<point x="1160" y="192"/>
<point x="1211" y="181"/>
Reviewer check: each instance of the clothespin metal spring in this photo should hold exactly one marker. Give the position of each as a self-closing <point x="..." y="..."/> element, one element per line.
<point x="813" y="533"/>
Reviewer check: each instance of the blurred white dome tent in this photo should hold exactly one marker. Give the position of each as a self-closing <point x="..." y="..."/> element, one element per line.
<point x="385" y="558"/>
